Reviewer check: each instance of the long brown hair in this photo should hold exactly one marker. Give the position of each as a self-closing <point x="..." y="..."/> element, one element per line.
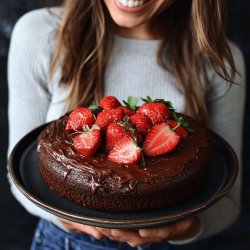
<point x="84" y="43"/>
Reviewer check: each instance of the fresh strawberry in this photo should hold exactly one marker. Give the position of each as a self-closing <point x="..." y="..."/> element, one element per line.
<point x="114" y="133"/>
<point x="160" y="139"/>
<point x="179" y="130"/>
<point x="157" y="111"/>
<point x="78" y="118"/>
<point x="141" y="122"/>
<point x="107" y="116"/>
<point x="88" y="141"/>
<point x="109" y="102"/>
<point x="118" y="130"/>
<point x="129" y="112"/>
<point x="126" y="152"/>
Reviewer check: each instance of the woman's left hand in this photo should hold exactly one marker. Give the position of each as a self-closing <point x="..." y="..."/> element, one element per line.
<point x="178" y="231"/>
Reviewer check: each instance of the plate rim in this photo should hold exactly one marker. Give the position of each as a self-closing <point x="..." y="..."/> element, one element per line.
<point x="121" y="223"/>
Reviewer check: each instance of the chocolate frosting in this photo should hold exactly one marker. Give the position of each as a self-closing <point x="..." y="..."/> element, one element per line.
<point x="58" y="143"/>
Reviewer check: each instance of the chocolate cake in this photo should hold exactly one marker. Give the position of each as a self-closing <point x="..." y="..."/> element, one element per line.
<point x="98" y="183"/>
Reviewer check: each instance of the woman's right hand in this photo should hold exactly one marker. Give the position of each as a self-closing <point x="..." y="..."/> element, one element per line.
<point x="80" y="228"/>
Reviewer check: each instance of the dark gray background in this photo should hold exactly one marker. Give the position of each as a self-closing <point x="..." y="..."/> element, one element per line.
<point x="16" y="225"/>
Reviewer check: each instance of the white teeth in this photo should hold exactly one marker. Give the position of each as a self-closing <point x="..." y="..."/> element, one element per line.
<point x="132" y="3"/>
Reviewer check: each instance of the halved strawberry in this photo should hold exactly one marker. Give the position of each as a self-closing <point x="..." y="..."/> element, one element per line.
<point x="160" y="139"/>
<point x="141" y="122"/>
<point x="157" y="111"/>
<point x="126" y="152"/>
<point x="107" y="116"/>
<point x="78" y="118"/>
<point x="88" y="141"/>
<point x="179" y="130"/>
<point x="109" y="102"/>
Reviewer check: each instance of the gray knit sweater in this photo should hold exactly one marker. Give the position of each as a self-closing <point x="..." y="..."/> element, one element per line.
<point x="132" y="70"/>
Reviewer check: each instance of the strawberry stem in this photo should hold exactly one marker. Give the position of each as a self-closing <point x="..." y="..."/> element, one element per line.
<point x="177" y="126"/>
<point x="184" y="124"/>
<point x="128" y="127"/>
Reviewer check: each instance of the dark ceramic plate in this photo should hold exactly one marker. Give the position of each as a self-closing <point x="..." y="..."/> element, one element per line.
<point x="23" y="168"/>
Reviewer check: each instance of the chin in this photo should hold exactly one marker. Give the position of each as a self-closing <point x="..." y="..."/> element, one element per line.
<point x="129" y="23"/>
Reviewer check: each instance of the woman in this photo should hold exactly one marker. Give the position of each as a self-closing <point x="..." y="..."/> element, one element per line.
<point x="170" y="49"/>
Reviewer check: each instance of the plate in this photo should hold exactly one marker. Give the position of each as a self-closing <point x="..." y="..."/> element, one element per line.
<point x="24" y="171"/>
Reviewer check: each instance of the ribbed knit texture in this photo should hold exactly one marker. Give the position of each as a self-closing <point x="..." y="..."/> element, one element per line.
<point x="132" y="70"/>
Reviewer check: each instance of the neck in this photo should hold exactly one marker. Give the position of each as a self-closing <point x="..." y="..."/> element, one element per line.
<point x="147" y="31"/>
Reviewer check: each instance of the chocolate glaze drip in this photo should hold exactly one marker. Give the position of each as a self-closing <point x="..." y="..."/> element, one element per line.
<point x="57" y="143"/>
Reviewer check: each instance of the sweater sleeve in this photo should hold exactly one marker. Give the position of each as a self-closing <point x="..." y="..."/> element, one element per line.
<point x="226" y="113"/>
<point x="29" y="93"/>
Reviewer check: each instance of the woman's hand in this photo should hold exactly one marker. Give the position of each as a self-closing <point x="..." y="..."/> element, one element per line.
<point x="79" y="228"/>
<point x="178" y="231"/>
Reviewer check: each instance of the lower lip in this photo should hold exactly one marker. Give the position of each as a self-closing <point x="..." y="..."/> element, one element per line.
<point x="134" y="9"/>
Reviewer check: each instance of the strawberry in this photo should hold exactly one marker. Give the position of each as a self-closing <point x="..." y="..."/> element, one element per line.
<point x="157" y="111"/>
<point x="179" y="130"/>
<point x="160" y="139"/>
<point x="88" y="141"/>
<point x="109" y="102"/>
<point x="141" y="122"/>
<point x="80" y="117"/>
<point x="126" y="152"/>
<point x="114" y="133"/>
<point x="118" y="130"/>
<point x="129" y="112"/>
<point x="107" y="116"/>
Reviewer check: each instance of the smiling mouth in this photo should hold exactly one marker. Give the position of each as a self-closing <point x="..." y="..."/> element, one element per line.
<point x="132" y="3"/>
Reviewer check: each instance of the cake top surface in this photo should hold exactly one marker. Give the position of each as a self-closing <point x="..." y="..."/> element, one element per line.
<point x="58" y="140"/>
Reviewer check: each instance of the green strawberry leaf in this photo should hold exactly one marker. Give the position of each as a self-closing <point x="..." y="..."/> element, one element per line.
<point x="160" y="100"/>
<point x="95" y="109"/>
<point x="147" y="100"/>
<point x="169" y="104"/>
<point x="131" y="102"/>
<point x="184" y="124"/>
<point x="173" y="115"/>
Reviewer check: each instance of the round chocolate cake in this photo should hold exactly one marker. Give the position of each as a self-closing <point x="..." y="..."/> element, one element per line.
<point x="99" y="183"/>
